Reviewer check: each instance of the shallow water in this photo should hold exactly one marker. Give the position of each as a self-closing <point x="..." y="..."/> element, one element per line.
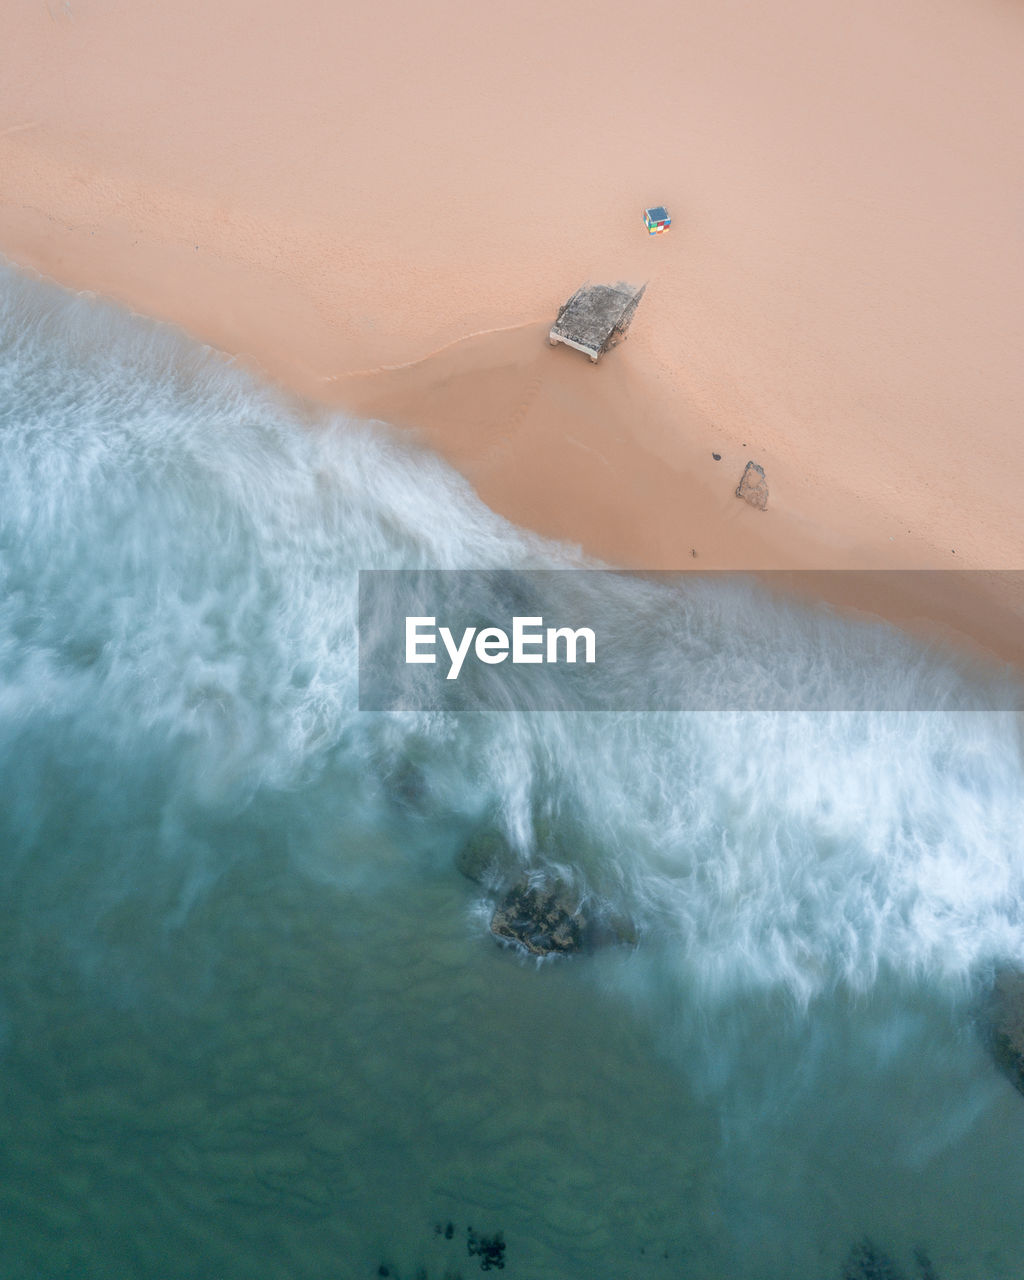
<point x="252" y="1023"/>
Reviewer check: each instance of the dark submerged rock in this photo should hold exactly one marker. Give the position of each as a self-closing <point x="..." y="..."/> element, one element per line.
<point x="408" y="786"/>
<point x="868" y="1262"/>
<point x="1005" y="1024"/>
<point x="753" y="487"/>
<point x="485" y="858"/>
<point x="924" y="1265"/>
<point x="489" y="1249"/>
<point x="542" y="918"/>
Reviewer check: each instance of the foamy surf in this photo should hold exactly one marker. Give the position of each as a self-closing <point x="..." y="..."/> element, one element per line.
<point x="195" y="807"/>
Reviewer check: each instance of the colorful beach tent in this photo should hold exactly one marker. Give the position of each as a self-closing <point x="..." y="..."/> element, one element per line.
<point x="657" y="220"/>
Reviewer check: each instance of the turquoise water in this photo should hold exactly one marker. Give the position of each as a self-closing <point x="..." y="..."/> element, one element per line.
<point x="252" y="1023"/>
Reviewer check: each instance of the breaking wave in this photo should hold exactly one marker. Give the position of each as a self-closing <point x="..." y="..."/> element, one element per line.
<point x="179" y="549"/>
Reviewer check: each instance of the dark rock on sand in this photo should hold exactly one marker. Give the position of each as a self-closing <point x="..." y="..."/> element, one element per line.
<point x="717" y="457"/>
<point x="544" y="919"/>
<point x="1005" y="1024"/>
<point x="753" y="487"/>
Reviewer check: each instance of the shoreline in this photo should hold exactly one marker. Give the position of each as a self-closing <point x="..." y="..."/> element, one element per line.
<point x="979" y="612"/>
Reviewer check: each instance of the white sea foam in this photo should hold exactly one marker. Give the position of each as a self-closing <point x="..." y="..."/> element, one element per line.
<point x="178" y="557"/>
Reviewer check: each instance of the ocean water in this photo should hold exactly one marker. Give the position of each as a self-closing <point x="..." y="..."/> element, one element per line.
<point x="252" y="1022"/>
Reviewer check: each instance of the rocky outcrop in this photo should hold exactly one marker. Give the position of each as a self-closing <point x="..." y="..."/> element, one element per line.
<point x="753" y="487"/>
<point x="544" y="917"/>
<point x="545" y="920"/>
<point x="1005" y="1024"/>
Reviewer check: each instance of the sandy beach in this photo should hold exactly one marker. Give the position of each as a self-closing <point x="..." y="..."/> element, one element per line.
<point x="382" y="209"/>
<point x="691" y="944"/>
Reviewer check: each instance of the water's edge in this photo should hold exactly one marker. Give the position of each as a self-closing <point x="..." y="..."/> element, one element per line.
<point x="252" y="1022"/>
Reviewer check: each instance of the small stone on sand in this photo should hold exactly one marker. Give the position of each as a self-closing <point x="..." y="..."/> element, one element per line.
<point x="753" y="487"/>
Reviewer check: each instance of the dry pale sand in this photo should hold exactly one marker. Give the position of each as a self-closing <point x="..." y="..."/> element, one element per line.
<point x="382" y="206"/>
